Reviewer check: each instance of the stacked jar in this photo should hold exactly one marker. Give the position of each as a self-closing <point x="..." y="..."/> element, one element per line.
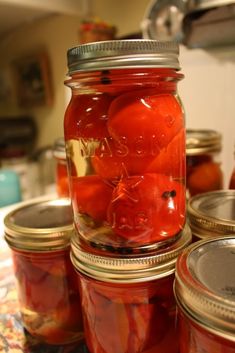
<point x="39" y="235"/>
<point x="212" y="214"/>
<point x="203" y="165"/>
<point x="125" y="142"/>
<point x="232" y="176"/>
<point x="204" y="290"/>
<point x="128" y="300"/>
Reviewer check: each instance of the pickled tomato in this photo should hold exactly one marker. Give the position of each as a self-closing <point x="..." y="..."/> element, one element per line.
<point x="147" y="208"/>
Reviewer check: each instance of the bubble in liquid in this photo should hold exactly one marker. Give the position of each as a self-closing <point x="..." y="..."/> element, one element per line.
<point x="169" y="119"/>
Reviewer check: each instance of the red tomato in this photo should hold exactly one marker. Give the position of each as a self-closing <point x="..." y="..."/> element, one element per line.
<point x="86" y="116"/>
<point x="171" y="160"/>
<point x="38" y="274"/>
<point x="62" y="183"/>
<point x="232" y="180"/>
<point x="155" y="323"/>
<point x="148" y="122"/>
<point x="62" y="187"/>
<point x="55" y="264"/>
<point x="125" y="315"/>
<point x="91" y="196"/>
<point x="33" y="285"/>
<point x="69" y="316"/>
<point x="205" y="177"/>
<point x="147" y="208"/>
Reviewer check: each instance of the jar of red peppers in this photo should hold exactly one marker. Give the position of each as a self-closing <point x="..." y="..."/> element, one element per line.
<point x="204" y="290"/>
<point x="62" y="183"/>
<point x="125" y="141"/>
<point x="232" y="177"/>
<point x="39" y="236"/>
<point x="212" y="214"/>
<point x="203" y="165"/>
<point x="128" y="300"/>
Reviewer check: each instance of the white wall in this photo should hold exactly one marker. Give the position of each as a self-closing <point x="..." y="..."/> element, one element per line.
<point x="208" y="94"/>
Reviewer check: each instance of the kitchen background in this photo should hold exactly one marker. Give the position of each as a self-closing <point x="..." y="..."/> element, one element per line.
<point x="207" y="91"/>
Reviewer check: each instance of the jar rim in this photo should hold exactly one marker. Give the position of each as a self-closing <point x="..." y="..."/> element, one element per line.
<point x="199" y="141"/>
<point x="40" y="225"/>
<point x="205" y="295"/>
<point x="128" y="53"/>
<point x="212" y="213"/>
<point x="131" y="268"/>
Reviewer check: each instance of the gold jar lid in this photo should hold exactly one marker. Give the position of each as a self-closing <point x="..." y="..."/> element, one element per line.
<point x="129" y="269"/>
<point x="40" y="225"/>
<point x="202" y="141"/>
<point x="212" y="213"/>
<point x="205" y="285"/>
<point x="118" y="54"/>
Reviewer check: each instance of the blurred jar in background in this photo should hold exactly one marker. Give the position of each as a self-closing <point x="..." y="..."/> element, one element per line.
<point x="46" y="169"/>
<point x="203" y="170"/>
<point x="61" y="176"/>
<point x="212" y="214"/>
<point x="95" y="30"/>
<point x="15" y="159"/>
<point x="39" y="236"/>
<point x="232" y="178"/>
<point x="10" y="190"/>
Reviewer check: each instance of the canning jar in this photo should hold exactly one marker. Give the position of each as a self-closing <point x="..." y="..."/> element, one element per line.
<point x="232" y="177"/>
<point x="39" y="237"/>
<point x="204" y="291"/>
<point x="128" y="300"/>
<point x="212" y="214"/>
<point x="232" y="180"/>
<point x="61" y="175"/>
<point x="125" y="143"/>
<point x="203" y="165"/>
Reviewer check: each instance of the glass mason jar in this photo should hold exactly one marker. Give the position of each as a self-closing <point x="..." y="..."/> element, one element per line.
<point x="39" y="237"/>
<point x="212" y="214"/>
<point x="232" y="177"/>
<point x="61" y="175"/>
<point x="203" y="166"/>
<point x="204" y="291"/>
<point x="232" y="180"/>
<point x="125" y="142"/>
<point x="129" y="300"/>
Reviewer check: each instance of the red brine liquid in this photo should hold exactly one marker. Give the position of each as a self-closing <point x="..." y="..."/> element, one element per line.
<point x="48" y="296"/>
<point x="126" y="158"/>
<point x="129" y="317"/>
<point x="194" y="338"/>
<point x="62" y="182"/>
<point x="203" y="174"/>
<point x="232" y="180"/>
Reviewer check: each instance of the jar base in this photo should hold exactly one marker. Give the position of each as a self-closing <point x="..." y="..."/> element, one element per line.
<point x="43" y="328"/>
<point x="99" y="247"/>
